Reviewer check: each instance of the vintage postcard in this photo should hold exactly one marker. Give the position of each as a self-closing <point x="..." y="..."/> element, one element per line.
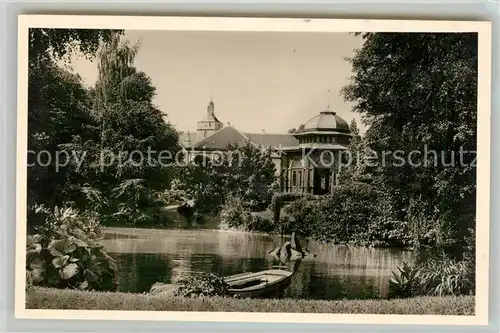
<point x="253" y="169"/>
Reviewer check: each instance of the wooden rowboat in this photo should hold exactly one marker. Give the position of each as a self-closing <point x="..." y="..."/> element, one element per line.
<point x="264" y="283"/>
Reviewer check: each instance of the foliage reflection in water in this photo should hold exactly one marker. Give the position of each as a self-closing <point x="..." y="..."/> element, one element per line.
<point x="147" y="256"/>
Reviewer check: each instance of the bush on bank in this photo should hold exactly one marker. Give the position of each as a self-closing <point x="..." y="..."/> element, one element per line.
<point x="62" y="252"/>
<point x="197" y="285"/>
<point x="436" y="275"/>
<point x="360" y="214"/>
<point x="354" y="213"/>
<point x="235" y="215"/>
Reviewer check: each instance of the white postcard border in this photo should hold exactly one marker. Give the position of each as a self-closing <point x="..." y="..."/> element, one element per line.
<point x="263" y="25"/>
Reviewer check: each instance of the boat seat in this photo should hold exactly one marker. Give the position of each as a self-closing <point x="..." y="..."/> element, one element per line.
<point x="246" y="281"/>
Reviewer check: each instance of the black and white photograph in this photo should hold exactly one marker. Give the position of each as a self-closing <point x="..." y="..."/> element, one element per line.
<point x="253" y="169"/>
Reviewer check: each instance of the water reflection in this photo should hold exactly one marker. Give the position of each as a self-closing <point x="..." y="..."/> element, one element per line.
<point x="147" y="256"/>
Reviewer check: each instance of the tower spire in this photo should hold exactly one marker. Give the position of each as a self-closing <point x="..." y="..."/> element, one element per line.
<point x="211" y="106"/>
<point x="328" y="105"/>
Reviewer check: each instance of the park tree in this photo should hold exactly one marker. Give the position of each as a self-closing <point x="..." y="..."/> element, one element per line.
<point x="116" y="116"/>
<point x="353" y="166"/>
<point x="243" y="171"/>
<point x="137" y="147"/>
<point x="296" y="130"/>
<point x="59" y="43"/>
<point x="58" y="107"/>
<point x="252" y="175"/>
<point x="417" y="92"/>
<point x="62" y="116"/>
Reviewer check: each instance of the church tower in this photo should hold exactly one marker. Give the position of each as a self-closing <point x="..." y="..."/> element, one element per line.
<point x="209" y="124"/>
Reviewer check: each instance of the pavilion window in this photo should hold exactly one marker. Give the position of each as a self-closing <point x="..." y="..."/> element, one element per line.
<point x="294" y="178"/>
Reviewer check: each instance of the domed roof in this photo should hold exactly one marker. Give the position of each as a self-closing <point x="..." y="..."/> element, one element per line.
<point x="326" y="121"/>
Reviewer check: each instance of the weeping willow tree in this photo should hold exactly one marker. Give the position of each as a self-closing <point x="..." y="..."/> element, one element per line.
<point x="130" y="165"/>
<point x="116" y="60"/>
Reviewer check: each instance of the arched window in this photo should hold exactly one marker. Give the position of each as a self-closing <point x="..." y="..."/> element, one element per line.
<point x="294" y="178"/>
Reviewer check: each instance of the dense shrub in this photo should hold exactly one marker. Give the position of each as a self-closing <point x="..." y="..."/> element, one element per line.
<point x="439" y="272"/>
<point x="445" y="276"/>
<point x="245" y="172"/>
<point x="354" y="213"/>
<point x="278" y="200"/>
<point x="64" y="252"/>
<point x="435" y="276"/>
<point x="231" y="215"/>
<point x="199" y="285"/>
<point x="235" y="215"/>
<point x="301" y="216"/>
<point x="260" y="223"/>
<point x="171" y="196"/>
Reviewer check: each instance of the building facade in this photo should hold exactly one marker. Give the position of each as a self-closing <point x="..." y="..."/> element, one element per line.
<point x="209" y="124"/>
<point x="312" y="165"/>
<point x="305" y="161"/>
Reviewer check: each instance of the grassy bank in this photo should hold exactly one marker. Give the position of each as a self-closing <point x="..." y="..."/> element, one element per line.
<point x="44" y="298"/>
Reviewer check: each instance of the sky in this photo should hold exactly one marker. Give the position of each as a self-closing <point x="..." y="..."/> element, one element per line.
<point x="259" y="81"/>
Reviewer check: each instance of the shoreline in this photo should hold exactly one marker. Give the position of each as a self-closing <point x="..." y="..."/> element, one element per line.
<point x="230" y="230"/>
<point x="260" y="233"/>
<point x="51" y="298"/>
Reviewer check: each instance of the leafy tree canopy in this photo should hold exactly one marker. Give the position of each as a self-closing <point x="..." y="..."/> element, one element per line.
<point x="418" y="92"/>
<point x="44" y="42"/>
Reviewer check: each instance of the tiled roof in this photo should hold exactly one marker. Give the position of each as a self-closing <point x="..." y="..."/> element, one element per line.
<point x="327" y="146"/>
<point x="272" y="140"/>
<point x="221" y="139"/>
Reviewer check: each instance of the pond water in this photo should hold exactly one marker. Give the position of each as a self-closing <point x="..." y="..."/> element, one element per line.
<point x="146" y="256"/>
